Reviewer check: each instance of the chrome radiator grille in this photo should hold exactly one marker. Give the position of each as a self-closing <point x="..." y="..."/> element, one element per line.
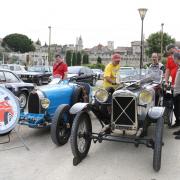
<point x="34" y="103"/>
<point x="124" y="110"/>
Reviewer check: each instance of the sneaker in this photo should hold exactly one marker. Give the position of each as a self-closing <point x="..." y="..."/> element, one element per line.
<point x="177" y="137"/>
<point x="176" y="132"/>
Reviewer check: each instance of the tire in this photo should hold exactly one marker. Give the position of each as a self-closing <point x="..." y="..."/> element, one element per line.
<point x="77" y="95"/>
<point x="61" y="125"/>
<point x="158" y="144"/>
<point x="168" y="116"/>
<point x="81" y="124"/>
<point x="23" y="99"/>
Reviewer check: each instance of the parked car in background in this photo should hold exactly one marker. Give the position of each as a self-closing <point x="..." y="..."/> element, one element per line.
<point x="99" y="73"/>
<point x="16" y="68"/>
<point x="37" y="74"/>
<point x="19" y="88"/>
<point x="82" y="74"/>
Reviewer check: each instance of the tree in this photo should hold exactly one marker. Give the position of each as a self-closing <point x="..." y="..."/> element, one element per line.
<point x="18" y="43"/>
<point x="74" y="59"/>
<point x="85" y="59"/>
<point x="79" y="58"/>
<point x="99" y="60"/>
<point x="154" y="42"/>
<point x="68" y="57"/>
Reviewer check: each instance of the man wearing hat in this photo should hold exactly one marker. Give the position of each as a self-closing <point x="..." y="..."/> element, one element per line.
<point x="59" y="67"/>
<point x="111" y="72"/>
<point x="176" y="93"/>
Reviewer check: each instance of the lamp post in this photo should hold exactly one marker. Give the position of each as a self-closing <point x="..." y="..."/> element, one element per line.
<point x="49" y="50"/>
<point x="162" y="24"/>
<point x="142" y="12"/>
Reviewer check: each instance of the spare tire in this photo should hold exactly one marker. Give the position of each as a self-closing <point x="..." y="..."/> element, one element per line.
<point x="77" y="95"/>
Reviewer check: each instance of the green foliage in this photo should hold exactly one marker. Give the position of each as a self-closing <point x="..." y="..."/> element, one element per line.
<point x="99" y="60"/>
<point x="79" y="58"/>
<point x="96" y="66"/>
<point x="68" y="57"/>
<point x="85" y="59"/>
<point x="74" y="59"/>
<point x="154" y="42"/>
<point x="18" y="43"/>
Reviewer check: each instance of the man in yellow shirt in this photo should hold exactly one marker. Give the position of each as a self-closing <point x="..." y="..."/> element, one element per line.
<point x="111" y="72"/>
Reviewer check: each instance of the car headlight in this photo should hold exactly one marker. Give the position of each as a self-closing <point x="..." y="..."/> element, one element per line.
<point x="101" y="95"/>
<point x="145" y="97"/>
<point x="45" y="103"/>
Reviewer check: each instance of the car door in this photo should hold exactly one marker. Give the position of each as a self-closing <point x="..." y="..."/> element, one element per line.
<point x="89" y="76"/>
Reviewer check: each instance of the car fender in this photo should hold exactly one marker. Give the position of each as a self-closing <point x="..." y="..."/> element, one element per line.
<point x="78" y="107"/>
<point x="155" y="113"/>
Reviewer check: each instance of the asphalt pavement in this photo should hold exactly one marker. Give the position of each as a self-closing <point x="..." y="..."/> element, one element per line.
<point x="105" y="161"/>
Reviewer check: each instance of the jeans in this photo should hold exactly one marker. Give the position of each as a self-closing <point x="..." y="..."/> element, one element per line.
<point x="176" y="100"/>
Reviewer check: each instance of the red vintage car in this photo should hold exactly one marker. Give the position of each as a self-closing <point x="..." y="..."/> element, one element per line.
<point x="6" y="110"/>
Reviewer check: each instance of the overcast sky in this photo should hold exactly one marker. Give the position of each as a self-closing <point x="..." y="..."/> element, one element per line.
<point x="97" y="21"/>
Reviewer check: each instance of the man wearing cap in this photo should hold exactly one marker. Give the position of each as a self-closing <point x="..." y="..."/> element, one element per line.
<point x="111" y="72"/>
<point x="59" y="67"/>
<point x="176" y="94"/>
<point x="171" y="70"/>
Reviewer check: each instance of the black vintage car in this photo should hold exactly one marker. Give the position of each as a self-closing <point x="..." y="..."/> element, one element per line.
<point x="37" y="74"/>
<point x="125" y="114"/>
<point x="19" y="88"/>
<point x="82" y="74"/>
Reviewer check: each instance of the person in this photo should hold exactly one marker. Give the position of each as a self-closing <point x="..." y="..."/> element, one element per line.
<point x="156" y="65"/>
<point x="171" y="70"/>
<point x="111" y="72"/>
<point x="176" y="94"/>
<point x="59" y="68"/>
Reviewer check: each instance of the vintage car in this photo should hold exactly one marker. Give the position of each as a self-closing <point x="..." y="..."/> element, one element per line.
<point x="48" y="106"/>
<point x="125" y="115"/>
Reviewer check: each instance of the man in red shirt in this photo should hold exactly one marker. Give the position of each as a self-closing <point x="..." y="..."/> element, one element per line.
<point x="59" y="67"/>
<point x="171" y="70"/>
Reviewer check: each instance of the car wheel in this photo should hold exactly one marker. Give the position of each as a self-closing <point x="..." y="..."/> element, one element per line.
<point x="61" y="125"/>
<point x="158" y="144"/>
<point x="168" y="116"/>
<point x="80" y="136"/>
<point x="23" y="99"/>
<point x="77" y="95"/>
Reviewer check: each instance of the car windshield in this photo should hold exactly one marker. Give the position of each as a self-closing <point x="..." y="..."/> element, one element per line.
<point x="145" y="74"/>
<point x="73" y="70"/>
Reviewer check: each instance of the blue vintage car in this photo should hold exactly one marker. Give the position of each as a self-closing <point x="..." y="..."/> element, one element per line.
<point x="48" y="106"/>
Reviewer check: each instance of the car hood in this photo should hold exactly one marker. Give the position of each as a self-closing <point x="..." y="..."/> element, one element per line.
<point x="32" y="73"/>
<point x="21" y="84"/>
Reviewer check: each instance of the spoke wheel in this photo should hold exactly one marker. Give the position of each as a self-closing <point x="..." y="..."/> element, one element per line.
<point x="61" y="125"/>
<point x="80" y="136"/>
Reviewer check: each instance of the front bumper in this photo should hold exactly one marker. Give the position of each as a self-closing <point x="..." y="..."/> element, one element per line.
<point x="34" y="120"/>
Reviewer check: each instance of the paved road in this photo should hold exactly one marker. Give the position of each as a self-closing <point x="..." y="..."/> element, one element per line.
<point x="105" y="161"/>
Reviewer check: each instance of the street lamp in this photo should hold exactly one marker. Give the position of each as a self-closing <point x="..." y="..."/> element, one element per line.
<point x="162" y="24"/>
<point x="142" y="12"/>
<point x="49" y="50"/>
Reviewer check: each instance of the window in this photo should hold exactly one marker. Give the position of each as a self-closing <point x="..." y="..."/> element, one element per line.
<point x="10" y="78"/>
